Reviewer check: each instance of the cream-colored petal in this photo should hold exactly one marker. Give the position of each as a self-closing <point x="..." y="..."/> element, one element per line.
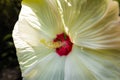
<point x="80" y="14"/>
<point x="104" y="34"/>
<point x="75" y="68"/>
<point x="27" y="35"/>
<point x="28" y="28"/>
<point x="87" y="64"/>
<point x="48" y="16"/>
<point x="49" y="68"/>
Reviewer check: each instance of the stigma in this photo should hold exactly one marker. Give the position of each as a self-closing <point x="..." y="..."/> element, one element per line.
<point x="62" y="44"/>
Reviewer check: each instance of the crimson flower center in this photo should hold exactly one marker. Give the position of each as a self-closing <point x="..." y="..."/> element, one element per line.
<point x="66" y="44"/>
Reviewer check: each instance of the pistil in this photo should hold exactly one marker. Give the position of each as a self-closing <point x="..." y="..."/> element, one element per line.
<point x="66" y="44"/>
<point x="62" y="44"/>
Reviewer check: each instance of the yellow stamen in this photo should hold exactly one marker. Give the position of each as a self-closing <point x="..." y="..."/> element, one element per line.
<point x="51" y="44"/>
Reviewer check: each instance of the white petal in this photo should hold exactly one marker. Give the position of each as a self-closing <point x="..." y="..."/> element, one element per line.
<point x="49" y="68"/>
<point x="48" y="16"/>
<point x="28" y="28"/>
<point x="104" y="34"/>
<point x="75" y="68"/>
<point x="86" y="64"/>
<point x="80" y="14"/>
<point x="27" y="35"/>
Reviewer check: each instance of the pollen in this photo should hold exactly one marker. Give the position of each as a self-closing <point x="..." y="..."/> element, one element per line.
<point x="51" y="44"/>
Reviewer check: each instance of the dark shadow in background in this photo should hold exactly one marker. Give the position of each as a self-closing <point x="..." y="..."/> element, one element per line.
<point x="9" y="67"/>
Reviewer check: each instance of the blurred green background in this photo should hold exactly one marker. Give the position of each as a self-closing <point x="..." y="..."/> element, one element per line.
<point x="9" y="67"/>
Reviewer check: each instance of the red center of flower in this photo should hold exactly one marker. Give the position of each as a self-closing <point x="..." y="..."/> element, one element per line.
<point x="66" y="44"/>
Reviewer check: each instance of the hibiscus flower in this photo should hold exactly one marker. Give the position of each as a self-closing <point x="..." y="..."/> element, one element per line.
<point x="68" y="40"/>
